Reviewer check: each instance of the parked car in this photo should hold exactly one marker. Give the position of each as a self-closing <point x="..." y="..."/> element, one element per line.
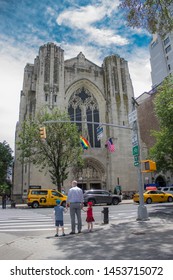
<point x="44" y="197"/>
<point x="101" y="196"/>
<point x="154" y="196"/>
<point x="166" y="189"/>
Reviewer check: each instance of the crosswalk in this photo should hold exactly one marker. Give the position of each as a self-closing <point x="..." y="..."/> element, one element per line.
<point x="23" y="220"/>
<point x="28" y="220"/>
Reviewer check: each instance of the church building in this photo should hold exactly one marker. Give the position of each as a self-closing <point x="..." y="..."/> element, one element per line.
<point x="100" y="95"/>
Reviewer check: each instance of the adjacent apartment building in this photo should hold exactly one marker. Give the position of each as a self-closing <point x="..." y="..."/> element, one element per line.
<point x="161" y="56"/>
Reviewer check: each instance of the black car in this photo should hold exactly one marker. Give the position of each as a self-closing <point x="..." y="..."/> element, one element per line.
<point x="101" y="196"/>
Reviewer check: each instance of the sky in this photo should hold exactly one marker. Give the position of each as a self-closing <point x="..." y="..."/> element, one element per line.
<point x="95" y="27"/>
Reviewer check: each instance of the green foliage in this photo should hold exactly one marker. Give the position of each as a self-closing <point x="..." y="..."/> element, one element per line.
<point x="162" y="151"/>
<point x="153" y="15"/>
<point x="5" y="189"/>
<point x="58" y="152"/>
<point x="6" y="162"/>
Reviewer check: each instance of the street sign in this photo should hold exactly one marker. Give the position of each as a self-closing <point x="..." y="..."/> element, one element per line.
<point x="134" y="140"/>
<point x="132" y="116"/>
<point x="99" y="132"/>
<point x="136" y="158"/>
<point x="135" y="150"/>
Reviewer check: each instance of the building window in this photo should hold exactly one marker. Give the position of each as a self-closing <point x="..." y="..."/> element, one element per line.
<point x="55" y="98"/>
<point x="25" y="168"/>
<point x="83" y="107"/>
<point x="166" y="41"/>
<point x="153" y="44"/>
<point x="46" y="97"/>
<point x="168" y="49"/>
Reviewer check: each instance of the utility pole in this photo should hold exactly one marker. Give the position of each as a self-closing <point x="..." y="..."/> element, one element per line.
<point x="142" y="210"/>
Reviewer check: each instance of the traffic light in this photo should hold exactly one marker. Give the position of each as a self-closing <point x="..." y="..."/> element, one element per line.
<point x="149" y="165"/>
<point x="42" y="132"/>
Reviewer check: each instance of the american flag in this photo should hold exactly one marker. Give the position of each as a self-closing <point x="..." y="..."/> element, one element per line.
<point x="110" y="146"/>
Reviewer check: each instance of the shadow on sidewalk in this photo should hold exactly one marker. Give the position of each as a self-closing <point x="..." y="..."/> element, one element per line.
<point x="123" y="241"/>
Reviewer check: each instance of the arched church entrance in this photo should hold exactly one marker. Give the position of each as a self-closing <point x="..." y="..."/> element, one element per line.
<point x="160" y="181"/>
<point x="92" y="175"/>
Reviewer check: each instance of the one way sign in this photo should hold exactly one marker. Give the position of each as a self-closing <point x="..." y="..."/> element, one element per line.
<point x="99" y="132"/>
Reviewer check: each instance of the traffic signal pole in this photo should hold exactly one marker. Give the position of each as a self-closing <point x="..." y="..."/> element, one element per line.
<point x="142" y="214"/>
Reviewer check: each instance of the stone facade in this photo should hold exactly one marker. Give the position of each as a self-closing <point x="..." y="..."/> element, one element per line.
<point x="88" y="92"/>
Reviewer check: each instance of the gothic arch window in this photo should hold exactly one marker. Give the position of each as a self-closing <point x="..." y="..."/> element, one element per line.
<point x="83" y="106"/>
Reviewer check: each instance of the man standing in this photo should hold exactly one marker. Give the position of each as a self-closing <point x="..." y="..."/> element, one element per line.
<point x="4" y="200"/>
<point x="75" y="199"/>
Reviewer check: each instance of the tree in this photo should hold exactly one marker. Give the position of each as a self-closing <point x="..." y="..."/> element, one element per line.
<point x="162" y="151"/>
<point x="60" y="150"/>
<point x="153" y="15"/>
<point x="6" y="163"/>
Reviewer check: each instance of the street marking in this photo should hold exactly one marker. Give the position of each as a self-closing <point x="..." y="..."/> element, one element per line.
<point x="34" y="229"/>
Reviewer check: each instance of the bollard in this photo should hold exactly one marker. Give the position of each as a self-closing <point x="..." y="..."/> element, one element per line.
<point x="105" y="215"/>
<point x="13" y="204"/>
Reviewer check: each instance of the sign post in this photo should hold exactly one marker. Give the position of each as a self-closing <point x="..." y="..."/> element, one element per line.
<point x="142" y="210"/>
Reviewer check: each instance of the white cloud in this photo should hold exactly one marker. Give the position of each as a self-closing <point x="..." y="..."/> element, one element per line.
<point x="83" y="18"/>
<point x="105" y="37"/>
<point x="13" y="59"/>
<point x="140" y="71"/>
<point x="11" y="73"/>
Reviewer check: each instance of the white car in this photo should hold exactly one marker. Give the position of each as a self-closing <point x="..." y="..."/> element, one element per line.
<point x="167" y="189"/>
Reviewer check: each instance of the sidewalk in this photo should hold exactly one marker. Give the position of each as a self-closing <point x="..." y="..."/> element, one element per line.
<point x="125" y="240"/>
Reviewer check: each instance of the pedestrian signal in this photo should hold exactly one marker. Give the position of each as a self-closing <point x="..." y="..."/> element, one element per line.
<point x="42" y="132"/>
<point x="149" y="166"/>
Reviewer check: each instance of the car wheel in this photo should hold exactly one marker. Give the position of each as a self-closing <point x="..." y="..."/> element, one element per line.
<point x="35" y="204"/>
<point x="170" y="199"/>
<point x="149" y="200"/>
<point x="115" y="201"/>
<point x="92" y="200"/>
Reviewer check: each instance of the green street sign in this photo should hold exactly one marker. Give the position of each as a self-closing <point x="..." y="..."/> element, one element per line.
<point x="136" y="158"/>
<point x="136" y="163"/>
<point x="135" y="150"/>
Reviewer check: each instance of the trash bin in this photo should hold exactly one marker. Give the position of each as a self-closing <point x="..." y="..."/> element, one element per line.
<point x="13" y="204"/>
<point x="105" y="212"/>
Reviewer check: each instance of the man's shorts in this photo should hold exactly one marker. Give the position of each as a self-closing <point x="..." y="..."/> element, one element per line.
<point x="59" y="223"/>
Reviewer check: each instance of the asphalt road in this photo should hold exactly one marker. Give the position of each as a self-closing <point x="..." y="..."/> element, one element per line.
<point x="24" y="221"/>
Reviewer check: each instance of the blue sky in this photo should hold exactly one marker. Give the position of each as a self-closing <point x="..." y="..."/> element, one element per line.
<point x="96" y="27"/>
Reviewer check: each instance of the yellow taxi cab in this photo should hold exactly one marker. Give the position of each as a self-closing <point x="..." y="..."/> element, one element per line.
<point x="154" y="196"/>
<point x="44" y="197"/>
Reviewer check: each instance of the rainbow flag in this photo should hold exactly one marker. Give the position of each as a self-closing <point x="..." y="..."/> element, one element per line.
<point x="84" y="142"/>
